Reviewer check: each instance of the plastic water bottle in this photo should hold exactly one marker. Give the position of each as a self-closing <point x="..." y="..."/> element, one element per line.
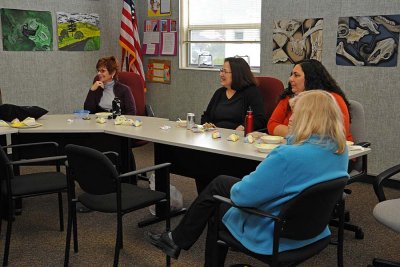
<point x="248" y="127"/>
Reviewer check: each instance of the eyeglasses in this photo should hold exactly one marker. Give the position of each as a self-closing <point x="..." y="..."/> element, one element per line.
<point x="102" y="70"/>
<point x="222" y="70"/>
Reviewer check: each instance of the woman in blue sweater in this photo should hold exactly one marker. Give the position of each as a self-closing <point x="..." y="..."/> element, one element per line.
<point x="315" y="152"/>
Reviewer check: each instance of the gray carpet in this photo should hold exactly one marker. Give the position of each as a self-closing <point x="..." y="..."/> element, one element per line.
<point x="36" y="240"/>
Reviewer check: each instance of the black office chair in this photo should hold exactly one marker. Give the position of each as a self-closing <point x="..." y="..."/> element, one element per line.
<point x="302" y="217"/>
<point x="15" y="187"/>
<point x="386" y="212"/>
<point x="103" y="191"/>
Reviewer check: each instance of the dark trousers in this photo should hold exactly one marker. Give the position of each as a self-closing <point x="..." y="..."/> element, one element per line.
<point x="202" y="212"/>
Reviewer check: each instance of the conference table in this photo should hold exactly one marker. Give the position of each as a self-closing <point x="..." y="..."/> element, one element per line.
<point x="194" y="155"/>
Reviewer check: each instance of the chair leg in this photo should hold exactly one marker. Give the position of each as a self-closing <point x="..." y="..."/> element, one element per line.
<point x="8" y="234"/>
<point x="118" y="242"/>
<point x="75" y="227"/>
<point x="340" y="233"/>
<point x="60" y="210"/>
<point x="167" y="228"/>
<point x="68" y="238"/>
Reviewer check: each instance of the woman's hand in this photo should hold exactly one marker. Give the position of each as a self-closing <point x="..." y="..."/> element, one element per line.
<point x="96" y="85"/>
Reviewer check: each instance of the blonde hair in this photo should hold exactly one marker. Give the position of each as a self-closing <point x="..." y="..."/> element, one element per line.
<point x="316" y="112"/>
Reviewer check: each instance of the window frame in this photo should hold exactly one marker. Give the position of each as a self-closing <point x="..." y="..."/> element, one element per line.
<point x="185" y="31"/>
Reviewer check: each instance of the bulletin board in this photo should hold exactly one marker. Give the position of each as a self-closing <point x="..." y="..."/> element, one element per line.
<point x="160" y="37"/>
<point x="159" y="71"/>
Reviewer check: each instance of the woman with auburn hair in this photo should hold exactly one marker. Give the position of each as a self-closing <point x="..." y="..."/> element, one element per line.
<point x="107" y="87"/>
<point x="308" y="74"/>
<point x="315" y="152"/>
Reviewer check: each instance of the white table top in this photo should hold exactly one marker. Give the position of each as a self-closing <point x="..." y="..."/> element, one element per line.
<point x="151" y="131"/>
<point x="7" y="130"/>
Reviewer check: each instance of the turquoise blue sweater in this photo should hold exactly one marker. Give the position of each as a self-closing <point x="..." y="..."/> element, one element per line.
<point x="286" y="171"/>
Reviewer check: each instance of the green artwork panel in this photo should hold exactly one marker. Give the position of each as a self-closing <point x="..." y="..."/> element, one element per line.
<point x="26" y="30"/>
<point x="78" y="31"/>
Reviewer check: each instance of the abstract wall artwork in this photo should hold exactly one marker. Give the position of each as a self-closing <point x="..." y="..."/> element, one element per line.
<point x="26" y="30"/>
<point x="368" y="41"/>
<point x="78" y="31"/>
<point x="294" y="40"/>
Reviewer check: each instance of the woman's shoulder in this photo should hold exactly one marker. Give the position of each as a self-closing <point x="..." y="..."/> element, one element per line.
<point x="121" y="86"/>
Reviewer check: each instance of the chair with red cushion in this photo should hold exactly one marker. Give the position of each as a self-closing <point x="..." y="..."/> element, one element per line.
<point x="270" y="89"/>
<point x="136" y="84"/>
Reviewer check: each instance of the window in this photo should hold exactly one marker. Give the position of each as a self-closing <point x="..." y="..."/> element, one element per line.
<point x="212" y="30"/>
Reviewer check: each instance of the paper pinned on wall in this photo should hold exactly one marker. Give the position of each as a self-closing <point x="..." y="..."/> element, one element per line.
<point x="168" y="43"/>
<point x="166" y="7"/>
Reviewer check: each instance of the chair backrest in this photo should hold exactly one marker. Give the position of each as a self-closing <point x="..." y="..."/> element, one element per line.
<point x="5" y="170"/>
<point x="135" y="83"/>
<point x="270" y="89"/>
<point x="357" y="129"/>
<point x="357" y="125"/>
<point x="94" y="171"/>
<point x="307" y="214"/>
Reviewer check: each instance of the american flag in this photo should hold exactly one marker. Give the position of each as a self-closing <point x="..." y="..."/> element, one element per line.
<point x="129" y="39"/>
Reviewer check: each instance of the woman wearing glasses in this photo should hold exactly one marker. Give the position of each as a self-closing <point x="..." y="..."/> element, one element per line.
<point x="107" y="87"/>
<point x="229" y="104"/>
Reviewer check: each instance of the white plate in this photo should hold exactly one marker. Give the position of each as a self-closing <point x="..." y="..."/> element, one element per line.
<point x="103" y="114"/>
<point x="271" y="139"/>
<point x="265" y="148"/>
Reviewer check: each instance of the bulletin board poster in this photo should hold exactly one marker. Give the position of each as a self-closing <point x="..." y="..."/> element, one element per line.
<point x="26" y="30"/>
<point x="368" y="41"/>
<point x="157" y="8"/>
<point x="297" y="39"/>
<point x="159" y="71"/>
<point x="78" y="31"/>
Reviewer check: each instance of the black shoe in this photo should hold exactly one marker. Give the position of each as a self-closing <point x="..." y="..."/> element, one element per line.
<point x="163" y="242"/>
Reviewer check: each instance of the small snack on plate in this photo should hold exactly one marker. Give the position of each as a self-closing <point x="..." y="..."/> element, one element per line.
<point x="271" y="139"/>
<point x="103" y="114"/>
<point x="208" y="126"/>
<point x="216" y="135"/>
<point x="137" y="123"/>
<point x="249" y="139"/>
<point x="119" y="120"/>
<point x="181" y="123"/>
<point x="233" y="137"/>
<point x="101" y="120"/>
<point x="29" y="121"/>
<point x="3" y="124"/>
<point x="16" y="123"/>
<point x="198" y="129"/>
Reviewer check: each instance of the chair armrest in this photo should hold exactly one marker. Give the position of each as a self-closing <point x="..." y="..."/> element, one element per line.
<point x="246" y="209"/>
<point x="144" y="170"/>
<point x="37" y="160"/>
<point x="149" y="110"/>
<point x="380" y="178"/>
<point x="32" y="144"/>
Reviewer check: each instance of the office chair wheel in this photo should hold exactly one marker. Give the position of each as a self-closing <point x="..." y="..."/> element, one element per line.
<point x="359" y="234"/>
